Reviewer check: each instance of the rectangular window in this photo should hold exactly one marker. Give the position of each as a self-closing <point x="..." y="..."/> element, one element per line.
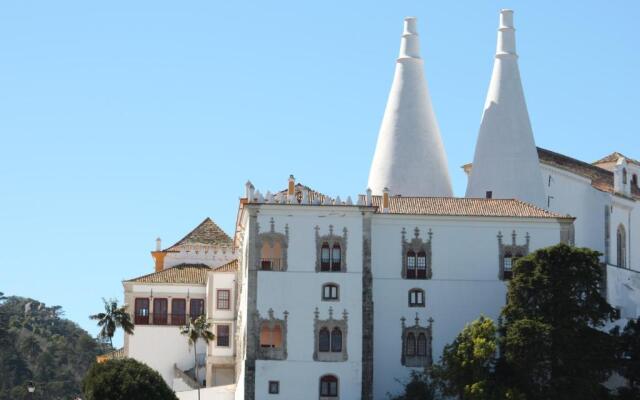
<point x="178" y="311"/>
<point x="416" y="298"/>
<point x="196" y="308"/>
<point x="330" y="292"/>
<point x="223" y="299"/>
<point x="274" y="387"/>
<point x="141" y="312"/>
<point x="160" y="311"/>
<point x="222" y="335"/>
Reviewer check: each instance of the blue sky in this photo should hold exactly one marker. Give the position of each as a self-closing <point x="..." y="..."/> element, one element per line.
<point x="123" y="121"/>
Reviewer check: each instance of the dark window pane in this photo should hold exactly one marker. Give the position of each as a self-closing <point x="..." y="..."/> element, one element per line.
<point x="422" y="345"/>
<point x="336" y="340"/>
<point x="222" y="335"/>
<point x="323" y="340"/>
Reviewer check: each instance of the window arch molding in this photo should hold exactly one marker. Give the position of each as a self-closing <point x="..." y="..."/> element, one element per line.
<point x="331" y="251"/>
<point x="508" y="254"/>
<point x="416" y="256"/>
<point x="329" y="387"/>
<point x="272" y="248"/>
<point x="416" y="343"/>
<point x="271" y="336"/>
<point x="621" y="246"/>
<point x="330" y="337"/>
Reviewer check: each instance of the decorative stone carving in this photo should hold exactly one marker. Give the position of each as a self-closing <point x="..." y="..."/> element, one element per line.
<point x="268" y="345"/>
<point x="417" y="344"/>
<point x="417" y="246"/>
<point x="274" y="240"/>
<point x="331" y="240"/>
<point x="330" y="324"/>
<point x="510" y="253"/>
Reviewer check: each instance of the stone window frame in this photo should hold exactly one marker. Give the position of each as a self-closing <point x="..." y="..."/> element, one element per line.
<point x="332" y="284"/>
<point x="515" y="250"/>
<point x="274" y="387"/>
<point x="271" y="237"/>
<point x="271" y="353"/>
<point x="417" y="304"/>
<point x="331" y="239"/>
<point x="329" y="397"/>
<point x="417" y="245"/>
<point x="415" y="360"/>
<point x="330" y="324"/>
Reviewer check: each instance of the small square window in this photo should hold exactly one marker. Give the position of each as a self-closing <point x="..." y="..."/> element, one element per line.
<point x="330" y="292"/>
<point x="274" y="387"/>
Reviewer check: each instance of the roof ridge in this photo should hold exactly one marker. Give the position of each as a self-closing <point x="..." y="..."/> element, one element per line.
<point x="192" y="233"/>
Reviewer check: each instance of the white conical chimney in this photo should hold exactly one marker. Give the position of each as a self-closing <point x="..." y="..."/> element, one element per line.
<point x="409" y="159"/>
<point x="505" y="164"/>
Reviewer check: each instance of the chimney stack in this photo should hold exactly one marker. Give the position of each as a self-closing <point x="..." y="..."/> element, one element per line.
<point x="158" y="256"/>
<point x="385" y="200"/>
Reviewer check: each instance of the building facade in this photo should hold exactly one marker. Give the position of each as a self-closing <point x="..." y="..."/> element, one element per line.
<point x="330" y="298"/>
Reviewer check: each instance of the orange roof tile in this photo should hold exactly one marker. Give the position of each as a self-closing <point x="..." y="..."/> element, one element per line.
<point x="182" y="273"/>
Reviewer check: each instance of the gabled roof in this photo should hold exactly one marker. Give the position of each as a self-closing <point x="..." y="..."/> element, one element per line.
<point x="231" y="266"/>
<point x="182" y="273"/>
<point x="468" y="207"/>
<point x="206" y="233"/>
<point x="613" y="157"/>
<point x="601" y="178"/>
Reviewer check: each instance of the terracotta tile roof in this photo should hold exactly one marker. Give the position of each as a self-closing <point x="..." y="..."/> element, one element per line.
<point x="472" y="207"/>
<point x="205" y="233"/>
<point x="181" y="273"/>
<point x="613" y="157"/>
<point x="231" y="266"/>
<point x="601" y="178"/>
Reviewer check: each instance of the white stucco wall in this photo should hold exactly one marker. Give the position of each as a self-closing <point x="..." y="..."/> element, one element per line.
<point x="464" y="285"/>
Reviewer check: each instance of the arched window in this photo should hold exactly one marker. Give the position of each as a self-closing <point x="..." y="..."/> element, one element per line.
<point x="325" y="257"/>
<point x="271" y="255"/>
<point x="410" y="345"/>
<point x="324" y="340"/>
<point x="622" y="246"/>
<point x="416" y="298"/>
<point x="330" y="291"/>
<point x="328" y="386"/>
<point x="411" y="264"/>
<point x="624" y="176"/>
<point x="508" y="261"/>
<point x="422" y="265"/>
<point x="336" y="257"/>
<point x="422" y="345"/>
<point x="634" y="180"/>
<point x="336" y="340"/>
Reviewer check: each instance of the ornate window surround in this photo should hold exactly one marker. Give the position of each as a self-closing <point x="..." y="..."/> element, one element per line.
<point x="271" y="237"/>
<point x="514" y="249"/>
<point x="415" y="360"/>
<point x="330" y="324"/>
<point x="271" y="353"/>
<point x="417" y="245"/>
<point x="331" y="239"/>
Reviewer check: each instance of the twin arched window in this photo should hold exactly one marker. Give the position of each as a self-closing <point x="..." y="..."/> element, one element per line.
<point x="271" y="337"/>
<point x="328" y="386"/>
<point x="621" y="237"/>
<point x="416" y="265"/>
<point x="330" y="341"/>
<point x="330" y="257"/>
<point x="416" y="347"/>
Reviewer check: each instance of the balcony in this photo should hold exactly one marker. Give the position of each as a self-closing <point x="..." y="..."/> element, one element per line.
<point x="270" y="264"/>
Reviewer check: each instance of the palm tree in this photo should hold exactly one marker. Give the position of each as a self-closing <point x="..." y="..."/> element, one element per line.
<point x="198" y="329"/>
<point x="112" y="318"/>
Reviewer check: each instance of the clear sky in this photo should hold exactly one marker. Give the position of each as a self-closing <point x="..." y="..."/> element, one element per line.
<point x="122" y="121"/>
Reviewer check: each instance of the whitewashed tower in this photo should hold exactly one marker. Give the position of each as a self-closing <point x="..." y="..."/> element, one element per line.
<point x="505" y="164"/>
<point x="410" y="159"/>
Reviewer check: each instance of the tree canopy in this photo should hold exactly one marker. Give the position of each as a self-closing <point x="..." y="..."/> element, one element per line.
<point x="125" y="379"/>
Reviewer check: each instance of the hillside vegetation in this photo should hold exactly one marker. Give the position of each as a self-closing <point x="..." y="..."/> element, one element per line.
<point x="37" y="344"/>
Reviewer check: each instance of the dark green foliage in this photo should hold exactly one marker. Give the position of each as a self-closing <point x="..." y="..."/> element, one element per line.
<point x="419" y="387"/>
<point x="125" y="379"/>
<point x="37" y="344"/>
<point x="629" y="358"/>
<point x="553" y="319"/>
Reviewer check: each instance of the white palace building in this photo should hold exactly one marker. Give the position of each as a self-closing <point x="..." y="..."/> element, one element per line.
<point x="326" y="298"/>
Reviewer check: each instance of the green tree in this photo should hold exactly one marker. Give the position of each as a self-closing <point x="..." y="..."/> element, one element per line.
<point x="125" y="379"/>
<point x="419" y="387"/>
<point x="467" y="364"/>
<point x="553" y="319"/>
<point x="112" y="318"/>
<point x="629" y="359"/>
<point x="198" y="329"/>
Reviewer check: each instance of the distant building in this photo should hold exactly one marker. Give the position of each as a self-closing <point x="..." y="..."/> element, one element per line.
<point x="327" y="298"/>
